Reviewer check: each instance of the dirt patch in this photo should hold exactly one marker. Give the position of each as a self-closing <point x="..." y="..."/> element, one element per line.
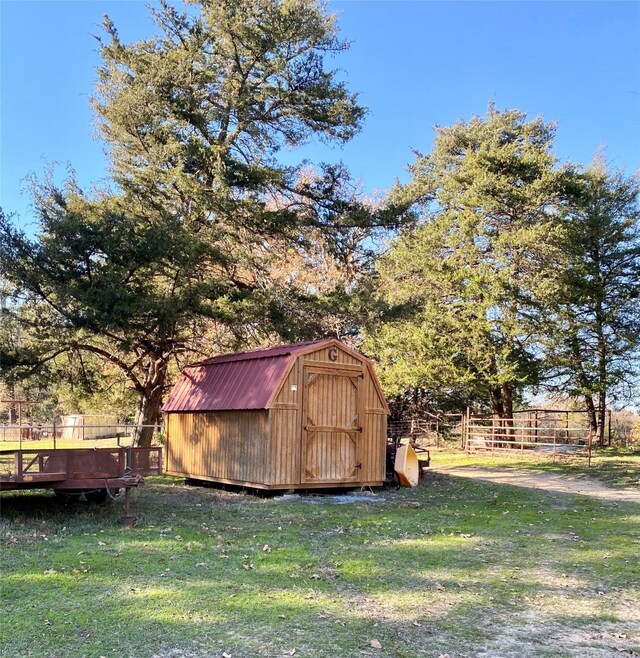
<point x="554" y="482"/>
<point x="530" y="634"/>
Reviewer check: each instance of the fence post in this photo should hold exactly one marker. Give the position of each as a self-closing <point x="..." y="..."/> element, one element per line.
<point x="466" y="424"/>
<point x="493" y="432"/>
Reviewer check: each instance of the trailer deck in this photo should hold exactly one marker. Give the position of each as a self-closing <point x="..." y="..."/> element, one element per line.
<point x="94" y="472"/>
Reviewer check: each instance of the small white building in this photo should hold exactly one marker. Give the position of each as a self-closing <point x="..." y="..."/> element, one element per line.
<point x="89" y="426"/>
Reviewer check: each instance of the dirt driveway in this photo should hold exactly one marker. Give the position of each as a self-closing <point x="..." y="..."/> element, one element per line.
<point x="541" y="480"/>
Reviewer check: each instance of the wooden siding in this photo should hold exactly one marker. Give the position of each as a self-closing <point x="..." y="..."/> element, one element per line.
<point x="372" y="401"/>
<point x="374" y="448"/>
<point x="230" y="445"/>
<point x="342" y="357"/>
<point x="285" y="427"/>
<point x="286" y="397"/>
<point x="285" y="448"/>
<point x="331" y="457"/>
<point x="374" y="433"/>
<point x="332" y="398"/>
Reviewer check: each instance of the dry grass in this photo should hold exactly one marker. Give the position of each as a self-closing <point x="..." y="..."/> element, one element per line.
<point x="616" y="467"/>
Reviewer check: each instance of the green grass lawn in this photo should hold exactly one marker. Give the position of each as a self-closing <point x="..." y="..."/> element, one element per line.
<point x="617" y="467"/>
<point x="452" y="567"/>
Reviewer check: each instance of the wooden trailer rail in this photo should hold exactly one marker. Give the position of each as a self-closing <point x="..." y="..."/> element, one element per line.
<point x="80" y="468"/>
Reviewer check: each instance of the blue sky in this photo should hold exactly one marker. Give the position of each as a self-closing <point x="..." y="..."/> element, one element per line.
<point x="415" y="64"/>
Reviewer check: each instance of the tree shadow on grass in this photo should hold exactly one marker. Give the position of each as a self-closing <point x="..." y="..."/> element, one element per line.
<point x="450" y="567"/>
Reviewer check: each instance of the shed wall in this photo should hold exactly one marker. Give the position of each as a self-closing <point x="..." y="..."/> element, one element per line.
<point x="285" y="448"/>
<point x="287" y="422"/>
<point x="374" y="446"/>
<point x="342" y="357"/>
<point x="286" y="426"/>
<point x="375" y="423"/>
<point x="224" y="445"/>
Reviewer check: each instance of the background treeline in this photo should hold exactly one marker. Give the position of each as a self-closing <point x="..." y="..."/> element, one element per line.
<point x="495" y="272"/>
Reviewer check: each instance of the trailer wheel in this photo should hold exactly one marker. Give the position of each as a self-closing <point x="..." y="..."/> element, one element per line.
<point x="67" y="496"/>
<point x="100" y="496"/>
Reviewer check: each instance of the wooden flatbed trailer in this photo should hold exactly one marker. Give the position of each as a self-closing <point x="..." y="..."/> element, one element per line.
<point x="94" y="472"/>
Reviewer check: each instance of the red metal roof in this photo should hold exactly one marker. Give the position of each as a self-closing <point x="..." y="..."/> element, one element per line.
<point x="265" y="352"/>
<point x="244" y="380"/>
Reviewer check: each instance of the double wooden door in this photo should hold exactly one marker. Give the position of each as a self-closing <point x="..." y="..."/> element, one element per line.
<point x="332" y="431"/>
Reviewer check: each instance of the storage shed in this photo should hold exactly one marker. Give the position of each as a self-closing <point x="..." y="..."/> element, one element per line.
<point x="295" y="416"/>
<point x="89" y="426"/>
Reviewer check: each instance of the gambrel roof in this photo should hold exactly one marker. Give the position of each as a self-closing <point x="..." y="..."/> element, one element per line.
<point x="244" y="380"/>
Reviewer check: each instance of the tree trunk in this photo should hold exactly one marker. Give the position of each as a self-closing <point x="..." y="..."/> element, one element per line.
<point x="415" y="414"/>
<point x="497" y="409"/>
<point x="602" y="365"/>
<point x="497" y="405"/>
<point x="591" y="412"/>
<point x="602" y="376"/>
<point x="582" y="378"/>
<point x="507" y="397"/>
<point x="149" y="412"/>
<point x="602" y="414"/>
<point x="495" y="392"/>
<point x="13" y="413"/>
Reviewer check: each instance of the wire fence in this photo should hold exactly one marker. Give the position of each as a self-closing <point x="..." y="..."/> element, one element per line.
<point x="427" y="430"/>
<point x="65" y="435"/>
